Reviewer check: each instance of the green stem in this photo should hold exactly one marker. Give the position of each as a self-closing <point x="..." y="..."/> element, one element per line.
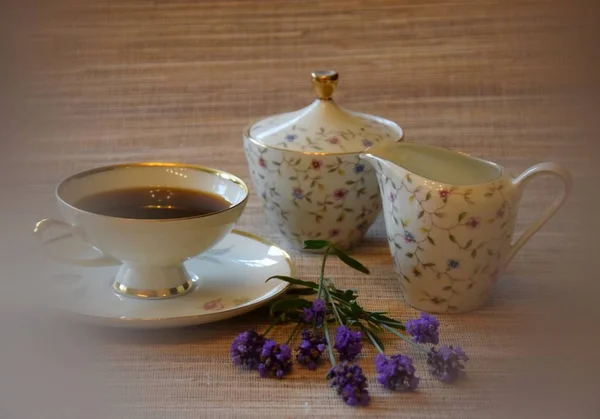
<point x="293" y="333"/>
<point x="327" y="249"/>
<point x="335" y="311"/>
<point x="329" y="346"/>
<point x="270" y="327"/>
<point x="403" y="337"/>
<point x="373" y="341"/>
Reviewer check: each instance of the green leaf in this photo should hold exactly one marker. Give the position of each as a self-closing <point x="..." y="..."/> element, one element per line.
<point x="289" y="304"/>
<point x="421" y="213"/>
<point x="409" y="255"/>
<point x="430" y="240"/>
<point x="389" y="321"/>
<point x="439" y="214"/>
<point x="315" y="244"/>
<point x="348" y="295"/>
<point x="452" y="238"/>
<point x="428" y="196"/>
<point x="294" y="281"/>
<point x="372" y="335"/>
<point x="302" y="291"/>
<point x="353" y="263"/>
<point x="469" y="243"/>
<point x="461" y="216"/>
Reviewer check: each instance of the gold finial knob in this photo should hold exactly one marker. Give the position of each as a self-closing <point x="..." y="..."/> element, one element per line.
<point x="324" y="83"/>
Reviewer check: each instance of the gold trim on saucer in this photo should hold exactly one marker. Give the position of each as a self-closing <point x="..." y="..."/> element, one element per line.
<point x="151" y="294"/>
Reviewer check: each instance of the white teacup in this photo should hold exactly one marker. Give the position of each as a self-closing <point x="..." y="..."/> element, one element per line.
<point x="152" y="251"/>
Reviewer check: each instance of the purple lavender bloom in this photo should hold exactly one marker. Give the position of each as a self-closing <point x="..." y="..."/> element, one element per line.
<point x="347" y="343"/>
<point x="290" y="137"/>
<point x="396" y="373"/>
<point x="350" y="383"/>
<point x="423" y="329"/>
<point x="316" y="312"/>
<point x="246" y="348"/>
<point x="275" y="360"/>
<point x="445" y="364"/>
<point x="367" y="143"/>
<point x="310" y="350"/>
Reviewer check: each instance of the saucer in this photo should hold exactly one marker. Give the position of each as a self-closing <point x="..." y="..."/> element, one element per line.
<point x="230" y="281"/>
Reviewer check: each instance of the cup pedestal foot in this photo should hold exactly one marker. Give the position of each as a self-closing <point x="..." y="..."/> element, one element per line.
<point x="153" y="282"/>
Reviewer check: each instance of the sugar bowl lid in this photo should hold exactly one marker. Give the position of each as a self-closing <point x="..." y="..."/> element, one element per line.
<point x="323" y="127"/>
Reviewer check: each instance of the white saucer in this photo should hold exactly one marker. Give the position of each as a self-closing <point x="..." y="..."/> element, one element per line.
<point x="231" y="282"/>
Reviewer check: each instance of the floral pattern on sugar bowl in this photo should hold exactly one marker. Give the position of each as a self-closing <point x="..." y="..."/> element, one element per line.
<point x="315" y="197"/>
<point x="306" y="169"/>
<point x="363" y="132"/>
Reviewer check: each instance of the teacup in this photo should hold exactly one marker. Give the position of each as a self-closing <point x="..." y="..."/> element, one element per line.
<point x="152" y="251"/>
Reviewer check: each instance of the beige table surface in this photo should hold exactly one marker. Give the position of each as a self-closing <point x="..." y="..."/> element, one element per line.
<point x="91" y="83"/>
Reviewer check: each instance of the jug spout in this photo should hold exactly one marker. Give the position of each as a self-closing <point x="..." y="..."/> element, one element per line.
<point x="382" y="157"/>
<point x="431" y="164"/>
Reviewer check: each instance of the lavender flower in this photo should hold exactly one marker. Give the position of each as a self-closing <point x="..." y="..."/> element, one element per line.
<point x="347" y="343"/>
<point x="310" y="349"/>
<point x="350" y="383"/>
<point x="275" y="360"/>
<point x="245" y="349"/>
<point x="423" y="329"/>
<point x="396" y="373"/>
<point x="446" y="364"/>
<point x="316" y="313"/>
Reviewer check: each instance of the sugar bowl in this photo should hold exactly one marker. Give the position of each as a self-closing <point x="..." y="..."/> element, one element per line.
<point x="306" y="168"/>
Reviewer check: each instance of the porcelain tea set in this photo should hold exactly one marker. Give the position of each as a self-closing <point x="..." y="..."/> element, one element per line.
<point x="322" y="172"/>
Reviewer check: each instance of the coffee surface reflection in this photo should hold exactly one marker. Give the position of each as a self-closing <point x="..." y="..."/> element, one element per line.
<point x="153" y="203"/>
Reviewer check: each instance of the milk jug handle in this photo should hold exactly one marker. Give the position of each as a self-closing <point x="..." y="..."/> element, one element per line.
<point x="522" y="180"/>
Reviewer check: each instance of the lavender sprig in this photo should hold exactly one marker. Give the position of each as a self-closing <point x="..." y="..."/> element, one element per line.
<point x="333" y="306"/>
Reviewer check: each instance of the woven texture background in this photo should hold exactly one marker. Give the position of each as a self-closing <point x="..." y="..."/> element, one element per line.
<point x="130" y="80"/>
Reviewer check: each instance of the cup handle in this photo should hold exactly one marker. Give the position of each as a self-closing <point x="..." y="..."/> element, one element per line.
<point x="522" y="180"/>
<point x="47" y="223"/>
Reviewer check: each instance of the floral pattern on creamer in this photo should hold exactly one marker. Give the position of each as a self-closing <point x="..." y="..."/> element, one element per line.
<point x="300" y="138"/>
<point x="448" y="243"/>
<point x="309" y="196"/>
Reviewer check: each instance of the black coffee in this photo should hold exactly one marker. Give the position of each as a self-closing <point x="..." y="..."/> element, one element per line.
<point x="153" y="203"/>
